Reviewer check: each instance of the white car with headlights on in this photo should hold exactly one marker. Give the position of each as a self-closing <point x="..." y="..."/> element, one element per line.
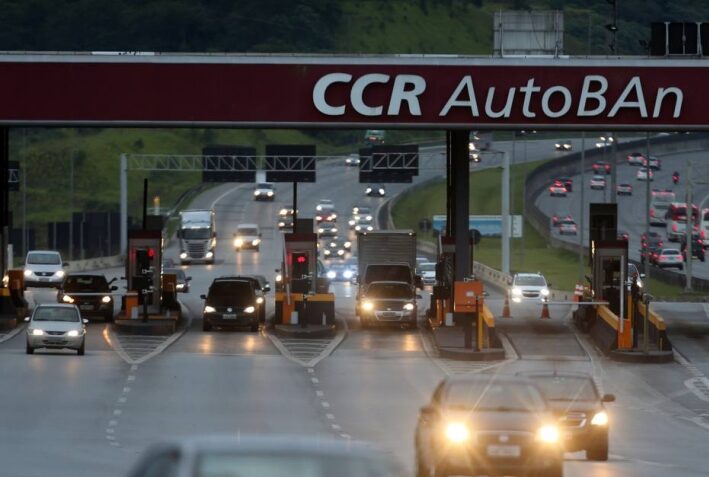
<point x="247" y="236"/>
<point x="56" y="326"/>
<point x="529" y="287"/>
<point x="264" y="191"/>
<point x="489" y="424"/>
<point x="388" y="303"/>
<point x="375" y="191"/>
<point x="44" y="268"/>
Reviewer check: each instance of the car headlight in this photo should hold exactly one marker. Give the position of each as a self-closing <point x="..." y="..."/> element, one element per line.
<point x="238" y="242"/>
<point x="209" y="254"/>
<point x="333" y="216"/>
<point x="67" y="299"/>
<point x="352" y="223"/>
<point x="331" y="274"/>
<point x="381" y="191"/>
<point x="347" y="274"/>
<point x="545" y="292"/>
<point x="358" y="228"/>
<point x="318" y="208"/>
<point x="334" y="229"/>
<point x="28" y="273"/>
<point x="457" y="432"/>
<point x="180" y="286"/>
<point x="281" y="224"/>
<point x="255" y="242"/>
<point x="369" y="228"/>
<point x="327" y="252"/>
<point x="548" y="434"/>
<point x="257" y="193"/>
<point x="368" y="306"/>
<point x="5" y="280"/>
<point x="106" y="299"/>
<point x="209" y="309"/>
<point x="409" y="307"/>
<point x="348" y="244"/>
<point x="279" y="278"/>
<point x="73" y="333"/>
<point x="249" y="309"/>
<point x="183" y="255"/>
<point x="321" y="230"/>
<point x="368" y="190"/>
<point x="640" y="283"/>
<point x="600" y="419"/>
<point x="340" y="252"/>
<point x="516" y="291"/>
<point x="269" y="193"/>
<point x="60" y="273"/>
<point x="259" y="300"/>
<point x="557" y="145"/>
<point x="368" y="218"/>
<point x="37" y="332"/>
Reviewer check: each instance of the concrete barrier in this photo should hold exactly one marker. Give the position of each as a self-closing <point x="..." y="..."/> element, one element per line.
<point x="98" y="263"/>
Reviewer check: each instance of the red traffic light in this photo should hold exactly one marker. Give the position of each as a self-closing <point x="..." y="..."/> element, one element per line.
<point x="151" y="253"/>
<point x="300" y="259"/>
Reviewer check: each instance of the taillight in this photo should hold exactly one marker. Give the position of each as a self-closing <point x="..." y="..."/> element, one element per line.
<point x="674" y="227"/>
<point x="652" y="212"/>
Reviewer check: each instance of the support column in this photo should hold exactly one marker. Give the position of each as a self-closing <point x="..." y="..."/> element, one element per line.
<point x="4" y="199"/>
<point x="461" y="183"/>
<point x="506" y="224"/>
<point x="124" y="204"/>
<point x="449" y="187"/>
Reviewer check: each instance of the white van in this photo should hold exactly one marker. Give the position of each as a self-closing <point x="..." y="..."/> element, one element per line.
<point x="44" y="268"/>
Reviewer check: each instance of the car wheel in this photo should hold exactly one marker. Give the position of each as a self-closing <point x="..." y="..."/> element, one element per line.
<point x="82" y="348"/>
<point x="599" y="451"/>
<point x="29" y="349"/>
<point x="206" y="326"/>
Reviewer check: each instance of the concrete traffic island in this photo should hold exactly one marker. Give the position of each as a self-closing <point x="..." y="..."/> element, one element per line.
<point x="449" y="341"/>
<point x="311" y="331"/>
<point x="155" y="325"/>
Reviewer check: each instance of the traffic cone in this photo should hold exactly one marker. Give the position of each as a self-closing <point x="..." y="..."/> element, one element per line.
<point x="506" y="309"/>
<point x="545" y="311"/>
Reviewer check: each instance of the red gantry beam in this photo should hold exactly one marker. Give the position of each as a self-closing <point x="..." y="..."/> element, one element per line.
<point x="353" y="91"/>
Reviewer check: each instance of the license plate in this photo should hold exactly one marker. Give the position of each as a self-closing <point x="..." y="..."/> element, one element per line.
<point x="44" y="279"/>
<point x="86" y="307"/>
<point x="503" y="451"/>
<point x="231" y="316"/>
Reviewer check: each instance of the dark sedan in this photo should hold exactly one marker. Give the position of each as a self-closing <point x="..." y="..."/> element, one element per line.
<point x="488" y="424"/>
<point x="580" y="409"/>
<point x="232" y="302"/>
<point x="91" y="293"/>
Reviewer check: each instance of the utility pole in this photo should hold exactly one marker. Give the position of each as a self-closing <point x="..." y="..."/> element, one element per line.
<point x="71" y="205"/>
<point x="646" y="283"/>
<point x="614" y="165"/>
<point x="689" y="228"/>
<point x="124" y="204"/>
<point x="582" y="206"/>
<point x="505" y="213"/>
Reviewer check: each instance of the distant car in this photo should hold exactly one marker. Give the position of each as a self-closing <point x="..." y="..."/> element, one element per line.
<point x="327" y="229"/>
<point x="264" y="191"/>
<point x="250" y="456"/>
<point x="654" y="163"/>
<point x="624" y="189"/>
<point x="642" y="174"/>
<point x="649" y="249"/>
<point x="339" y="272"/>
<point x="555" y="220"/>
<point x="285" y="218"/>
<point x="563" y="146"/>
<point x="352" y="160"/>
<point x="373" y="137"/>
<point x="183" y="281"/>
<point x="567" y="181"/>
<point x="232" y="302"/>
<point x="529" y="287"/>
<point x="375" y="191"/>
<point x="91" y="293"/>
<point x="388" y="302"/>
<point x="363" y="228"/>
<point x="667" y="258"/>
<point x="567" y="226"/>
<point x="557" y="189"/>
<point x="635" y="159"/>
<point x="698" y="249"/>
<point x="579" y="409"/>
<point x="598" y="182"/>
<point x="601" y="167"/>
<point x="489" y="424"/>
<point x="44" y="268"/>
<point x="428" y="273"/>
<point x="337" y="248"/>
<point x="325" y="211"/>
<point x="651" y="235"/>
<point x="247" y="236"/>
<point x="56" y="326"/>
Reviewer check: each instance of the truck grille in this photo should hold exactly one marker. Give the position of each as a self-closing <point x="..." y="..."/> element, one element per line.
<point x="195" y="249"/>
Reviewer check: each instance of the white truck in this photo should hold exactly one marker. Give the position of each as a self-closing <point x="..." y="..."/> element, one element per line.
<point x="198" y="236"/>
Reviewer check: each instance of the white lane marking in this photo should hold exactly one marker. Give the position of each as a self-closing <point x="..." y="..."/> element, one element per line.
<point x="122" y="399"/>
<point x="330" y="416"/>
<point x="336" y="427"/>
<point x="699" y="387"/>
<point x="112" y="422"/>
<point x="706" y="309"/>
<point x="452" y="367"/>
<point x="117" y="412"/>
<point x="12" y="334"/>
<point x="126" y="389"/>
<point x="315" y="380"/>
<point x="308" y="353"/>
<point x="233" y="189"/>
<point x="319" y="393"/>
<point x="325" y="404"/>
<point x="130" y="378"/>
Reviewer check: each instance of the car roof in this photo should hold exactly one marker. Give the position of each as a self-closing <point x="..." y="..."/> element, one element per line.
<point x="247" y="226"/>
<point x="529" y="275"/>
<point x="43" y="251"/>
<point x="55" y="305"/>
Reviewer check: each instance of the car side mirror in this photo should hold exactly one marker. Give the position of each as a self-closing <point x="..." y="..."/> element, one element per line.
<point x="549" y="285"/>
<point x="267" y="288"/>
<point x="642" y="275"/>
<point x="114" y="288"/>
<point x="203" y="297"/>
<point x="65" y="264"/>
<point x="112" y="280"/>
<point x="123" y="278"/>
<point x="418" y="297"/>
<point x="27" y="319"/>
<point x="187" y="279"/>
<point x="608" y="398"/>
<point x="85" y="321"/>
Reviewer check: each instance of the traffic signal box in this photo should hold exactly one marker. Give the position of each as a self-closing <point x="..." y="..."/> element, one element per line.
<point x="300" y="291"/>
<point x="143" y="268"/>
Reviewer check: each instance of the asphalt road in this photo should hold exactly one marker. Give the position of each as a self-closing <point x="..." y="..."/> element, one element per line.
<point x="66" y="415"/>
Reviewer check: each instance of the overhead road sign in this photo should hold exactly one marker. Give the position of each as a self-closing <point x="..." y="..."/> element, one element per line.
<point x="290" y="163"/>
<point x="354" y="91"/>
<point x="388" y="164"/>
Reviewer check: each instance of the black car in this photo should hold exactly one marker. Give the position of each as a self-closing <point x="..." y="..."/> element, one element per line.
<point x="183" y="281"/>
<point x="580" y="411"/>
<point x="488" y="424"/>
<point x="232" y="302"/>
<point x="377" y="190"/>
<point x="698" y="249"/>
<point x="91" y="293"/>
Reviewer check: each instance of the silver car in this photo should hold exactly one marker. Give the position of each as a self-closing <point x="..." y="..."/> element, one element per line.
<point x="44" y="268"/>
<point x="221" y="456"/>
<point x="56" y="326"/>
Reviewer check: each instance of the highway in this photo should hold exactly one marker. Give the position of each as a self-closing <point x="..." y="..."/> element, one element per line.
<point x="94" y="415"/>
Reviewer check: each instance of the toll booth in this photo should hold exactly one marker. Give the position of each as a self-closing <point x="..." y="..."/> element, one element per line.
<point x="442" y="299"/>
<point x="609" y="272"/>
<point x="303" y="290"/>
<point x="143" y="269"/>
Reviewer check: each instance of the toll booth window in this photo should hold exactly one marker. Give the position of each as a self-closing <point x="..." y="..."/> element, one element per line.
<point x="196" y="234"/>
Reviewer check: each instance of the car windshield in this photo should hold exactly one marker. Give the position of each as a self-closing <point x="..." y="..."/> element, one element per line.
<point x="670" y="252"/>
<point x="567" y="388"/>
<point x="530" y="280"/>
<point x="85" y="282"/>
<point x="196" y="234"/>
<point x="389" y="290"/>
<point x="483" y="395"/>
<point x="264" y="185"/>
<point x="224" y="464"/>
<point x="55" y="313"/>
<point x="364" y="210"/>
<point x="235" y="292"/>
<point x="427" y="267"/>
<point x="247" y="231"/>
<point x="43" y="258"/>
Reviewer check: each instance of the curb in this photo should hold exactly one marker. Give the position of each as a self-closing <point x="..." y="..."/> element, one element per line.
<point x="653" y="357"/>
<point x="312" y="332"/>
<point x="459" y="354"/>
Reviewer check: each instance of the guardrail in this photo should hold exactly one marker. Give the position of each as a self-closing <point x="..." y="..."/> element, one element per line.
<point x="537" y="181"/>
